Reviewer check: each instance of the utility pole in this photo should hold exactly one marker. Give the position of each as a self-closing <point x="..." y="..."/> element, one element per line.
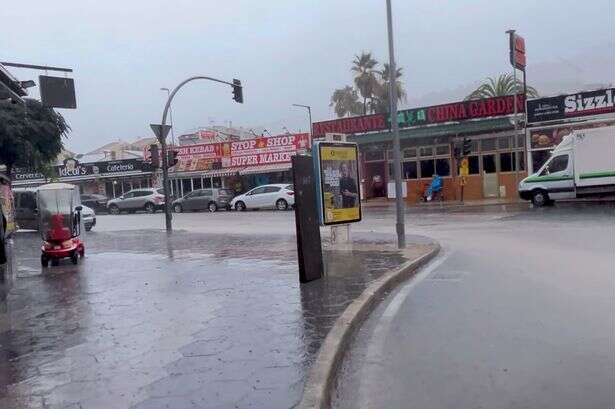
<point x="162" y="130"/>
<point x="399" y="200"/>
<point x="309" y="109"/>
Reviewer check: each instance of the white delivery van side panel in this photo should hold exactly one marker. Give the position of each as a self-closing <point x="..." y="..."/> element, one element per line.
<point x="594" y="157"/>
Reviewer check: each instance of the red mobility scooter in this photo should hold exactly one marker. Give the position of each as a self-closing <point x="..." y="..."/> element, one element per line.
<point x="59" y="210"/>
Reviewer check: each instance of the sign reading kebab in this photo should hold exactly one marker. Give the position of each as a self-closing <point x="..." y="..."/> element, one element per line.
<point x="453" y="112"/>
<point x="249" y="152"/>
<point x="571" y="105"/>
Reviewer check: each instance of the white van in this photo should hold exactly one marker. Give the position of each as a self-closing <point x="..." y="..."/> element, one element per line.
<point x="583" y="164"/>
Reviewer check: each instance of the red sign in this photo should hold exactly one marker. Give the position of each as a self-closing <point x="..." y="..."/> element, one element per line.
<point x="359" y="124"/>
<point x="249" y="152"/>
<point x="517" y="51"/>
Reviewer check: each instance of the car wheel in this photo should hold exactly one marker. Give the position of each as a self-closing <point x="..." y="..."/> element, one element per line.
<point x="540" y="198"/>
<point x="150" y="208"/>
<point x="177" y="208"/>
<point x="113" y="209"/>
<point x="281" y="204"/>
<point x="82" y="252"/>
<point x="240" y="206"/>
<point x="44" y="260"/>
<point x="88" y="228"/>
<point x="74" y="257"/>
<point x="55" y="262"/>
<point x="212" y="207"/>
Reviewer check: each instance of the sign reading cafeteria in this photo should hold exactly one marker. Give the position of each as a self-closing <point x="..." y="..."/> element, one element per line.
<point x="248" y="152"/>
<point x="337" y="176"/>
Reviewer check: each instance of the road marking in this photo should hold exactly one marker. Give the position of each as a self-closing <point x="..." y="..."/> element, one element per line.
<point x="375" y="347"/>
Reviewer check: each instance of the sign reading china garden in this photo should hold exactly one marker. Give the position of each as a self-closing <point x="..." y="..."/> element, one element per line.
<point x="436" y="114"/>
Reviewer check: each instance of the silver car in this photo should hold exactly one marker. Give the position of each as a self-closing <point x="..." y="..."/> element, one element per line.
<point x="149" y="200"/>
<point x="201" y="199"/>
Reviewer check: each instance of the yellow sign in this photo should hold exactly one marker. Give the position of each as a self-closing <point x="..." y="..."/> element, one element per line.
<point x="464" y="167"/>
<point x="339" y="182"/>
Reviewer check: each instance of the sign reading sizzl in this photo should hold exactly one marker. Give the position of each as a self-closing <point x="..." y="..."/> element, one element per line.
<point x="571" y="105"/>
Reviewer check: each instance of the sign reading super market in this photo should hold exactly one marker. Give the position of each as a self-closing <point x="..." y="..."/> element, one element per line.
<point x="571" y="105"/>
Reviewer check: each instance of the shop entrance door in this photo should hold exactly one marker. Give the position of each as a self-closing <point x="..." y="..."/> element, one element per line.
<point x="490" y="177"/>
<point x="375" y="178"/>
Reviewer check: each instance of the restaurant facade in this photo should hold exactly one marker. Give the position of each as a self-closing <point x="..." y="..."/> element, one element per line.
<point x="429" y="136"/>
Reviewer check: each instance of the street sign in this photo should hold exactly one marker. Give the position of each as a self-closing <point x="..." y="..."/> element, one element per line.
<point x="160" y="131"/>
<point x="517" y="51"/>
<point x="336" y="167"/>
<point x="57" y="92"/>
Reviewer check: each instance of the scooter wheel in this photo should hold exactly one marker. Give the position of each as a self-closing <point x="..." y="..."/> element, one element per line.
<point x="44" y="260"/>
<point x="74" y="258"/>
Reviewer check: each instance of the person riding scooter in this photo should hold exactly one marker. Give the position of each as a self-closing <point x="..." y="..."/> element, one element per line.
<point x="434" y="189"/>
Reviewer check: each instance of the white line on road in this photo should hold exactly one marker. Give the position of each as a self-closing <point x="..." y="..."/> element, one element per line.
<point x="375" y="346"/>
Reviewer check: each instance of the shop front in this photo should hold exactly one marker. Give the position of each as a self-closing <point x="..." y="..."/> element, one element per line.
<point x="238" y="165"/>
<point x="109" y="178"/>
<point x="550" y="119"/>
<point x="428" y="138"/>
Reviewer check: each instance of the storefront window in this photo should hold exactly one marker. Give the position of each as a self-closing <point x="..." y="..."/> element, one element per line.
<point x="186" y="186"/>
<point x="474" y="168"/>
<point x="539" y="158"/>
<point x="410" y="170"/>
<point x="410" y="153"/>
<point x="427" y="168"/>
<point x="503" y="142"/>
<point x="507" y="162"/>
<point x="443" y="167"/>
<point x="487" y="144"/>
<point x="443" y="150"/>
<point x="489" y="164"/>
<point x="520" y="141"/>
<point x="426" y="151"/>
<point x="374" y="155"/>
<point x="197" y="183"/>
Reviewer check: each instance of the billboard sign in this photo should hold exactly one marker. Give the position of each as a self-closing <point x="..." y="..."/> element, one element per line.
<point x="336" y="168"/>
<point x="357" y="124"/>
<point x="517" y="51"/>
<point x="57" y="92"/>
<point x="570" y="106"/>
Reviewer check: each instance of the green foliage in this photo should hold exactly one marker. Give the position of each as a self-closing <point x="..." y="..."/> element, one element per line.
<point x="370" y="84"/>
<point x="504" y="85"/>
<point x="30" y="134"/>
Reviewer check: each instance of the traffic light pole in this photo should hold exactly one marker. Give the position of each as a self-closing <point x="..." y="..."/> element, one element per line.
<point x="166" y="186"/>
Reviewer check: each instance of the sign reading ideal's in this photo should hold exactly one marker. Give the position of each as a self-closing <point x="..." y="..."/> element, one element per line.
<point x="571" y="105"/>
<point x="337" y="178"/>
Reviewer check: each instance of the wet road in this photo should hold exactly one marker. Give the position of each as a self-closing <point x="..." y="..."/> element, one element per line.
<point x="517" y="312"/>
<point x="213" y="317"/>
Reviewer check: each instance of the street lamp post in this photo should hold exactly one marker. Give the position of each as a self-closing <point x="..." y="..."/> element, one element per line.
<point x="399" y="200"/>
<point x="309" y="109"/>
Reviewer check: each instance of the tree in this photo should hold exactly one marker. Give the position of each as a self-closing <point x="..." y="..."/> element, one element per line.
<point x="503" y="85"/>
<point x="345" y="101"/>
<point x="30" y="134"/>
<point x="382" y="100"/>
<point x="364" y="68"/>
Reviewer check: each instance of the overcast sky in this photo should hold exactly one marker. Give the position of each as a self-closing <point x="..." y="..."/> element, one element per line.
<point x="287" y="51"/>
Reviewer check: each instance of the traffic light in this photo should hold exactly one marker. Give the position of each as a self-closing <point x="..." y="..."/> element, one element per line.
<point x="467" y="146"/>
<point x="237" y="91"/>
<point x="154" y="155"/>
<point x="172" y="157"/>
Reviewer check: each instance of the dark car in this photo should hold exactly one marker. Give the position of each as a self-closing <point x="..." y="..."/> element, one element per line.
<point x="96" y="202"/>
<point x="204" y="199"/>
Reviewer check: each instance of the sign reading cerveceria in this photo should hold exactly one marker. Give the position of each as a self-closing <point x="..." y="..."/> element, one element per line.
<point x="571" y="105"/>
<point x="73" y="168"/>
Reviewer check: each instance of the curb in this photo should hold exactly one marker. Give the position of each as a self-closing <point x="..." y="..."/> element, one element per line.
<point x="321" y="377"/>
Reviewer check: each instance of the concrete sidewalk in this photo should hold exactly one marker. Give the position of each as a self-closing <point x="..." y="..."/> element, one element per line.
<point x="194" y="320"/>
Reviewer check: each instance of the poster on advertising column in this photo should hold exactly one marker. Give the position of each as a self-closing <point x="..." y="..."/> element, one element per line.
<point x="337" y="176"/>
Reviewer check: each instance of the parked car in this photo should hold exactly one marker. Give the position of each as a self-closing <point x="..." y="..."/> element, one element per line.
<point x="26" y="214"/>
<point x="95" y="201"/>
<point x="149" y="200"/>
<point x="7" y="216"/>
<point x="89" y="217"/>
<point x="201" y="199"/>
<point x="278" y="196"/>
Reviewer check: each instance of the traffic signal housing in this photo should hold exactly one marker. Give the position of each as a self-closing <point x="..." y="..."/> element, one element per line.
<point x="467" y="147"/>
<point x="154" y="155"/>
<point x="172" y="157"/>
<point x="237" y="91"/>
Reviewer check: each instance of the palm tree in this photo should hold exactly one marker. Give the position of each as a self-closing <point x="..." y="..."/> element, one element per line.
<point x="364" y="68"/>
<point x="503" y="85"/>
<point x="345" y="101"/>
<point x="382" y="100"/>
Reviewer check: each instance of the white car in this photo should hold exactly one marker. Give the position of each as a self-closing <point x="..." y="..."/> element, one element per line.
<point x="279" y="196"/>
<point x="89" y="217"/>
